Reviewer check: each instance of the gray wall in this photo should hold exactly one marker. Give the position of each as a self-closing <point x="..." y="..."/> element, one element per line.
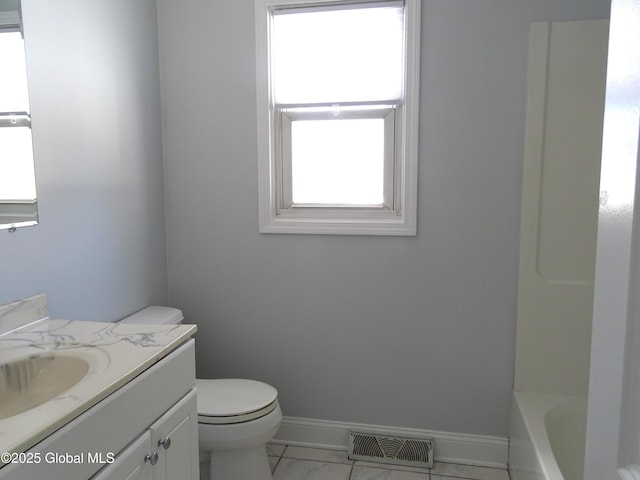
<point x="99" y="251"/>
<point x="412" y="332"/>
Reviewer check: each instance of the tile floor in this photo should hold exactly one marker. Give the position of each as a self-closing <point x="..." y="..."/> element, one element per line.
<point x="301" y="463"/>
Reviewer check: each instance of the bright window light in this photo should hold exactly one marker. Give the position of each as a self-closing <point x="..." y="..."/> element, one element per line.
<point x="16" y="149"/>
<point x="16" y="164"/>
<point x="338" y="162"/>
<point x="13" y="81"/>
<point x="338" y="55"/>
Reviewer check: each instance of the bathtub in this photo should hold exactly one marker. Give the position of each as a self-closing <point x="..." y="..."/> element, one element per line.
<point x="547" y="436"/>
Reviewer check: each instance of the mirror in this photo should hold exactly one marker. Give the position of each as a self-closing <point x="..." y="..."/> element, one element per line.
<point x="18" y="200"/>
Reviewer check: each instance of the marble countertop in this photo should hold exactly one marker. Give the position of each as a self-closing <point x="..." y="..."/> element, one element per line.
<point x="115" y="352"/>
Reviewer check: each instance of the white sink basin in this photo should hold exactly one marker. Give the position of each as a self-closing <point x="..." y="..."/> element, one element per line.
<point x="30" y="381"/>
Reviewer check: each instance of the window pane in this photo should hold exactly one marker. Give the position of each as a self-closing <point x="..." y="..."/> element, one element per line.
<point x="338" y="161"/>
<point x="16" y="164"/>
<point x="338" y="55"/>
<point x="13" y="81"/>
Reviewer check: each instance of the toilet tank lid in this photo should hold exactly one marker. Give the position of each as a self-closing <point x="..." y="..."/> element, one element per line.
<point x="156" y="315"/>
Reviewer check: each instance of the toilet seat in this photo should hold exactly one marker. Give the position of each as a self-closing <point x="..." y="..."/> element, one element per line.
<point x="228" y="401"/>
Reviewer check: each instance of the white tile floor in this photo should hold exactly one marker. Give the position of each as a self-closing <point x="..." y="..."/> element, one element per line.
<point x="301" y="463"/>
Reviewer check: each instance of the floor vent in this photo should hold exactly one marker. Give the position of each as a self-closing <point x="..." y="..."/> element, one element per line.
<point x="415" y="452"/>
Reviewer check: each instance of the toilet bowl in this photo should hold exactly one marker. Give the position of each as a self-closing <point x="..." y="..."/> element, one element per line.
<point x="236" y="417"/>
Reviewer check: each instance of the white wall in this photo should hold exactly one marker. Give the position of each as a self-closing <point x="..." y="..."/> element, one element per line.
<point x="99" y="251"/>
<point x="414" y="332"/>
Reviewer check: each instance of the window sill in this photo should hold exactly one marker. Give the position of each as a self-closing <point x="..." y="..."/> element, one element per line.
<point x="382" y="223"/>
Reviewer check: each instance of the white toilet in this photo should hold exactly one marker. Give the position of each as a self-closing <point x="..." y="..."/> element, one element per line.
<point x="236" y="418"/>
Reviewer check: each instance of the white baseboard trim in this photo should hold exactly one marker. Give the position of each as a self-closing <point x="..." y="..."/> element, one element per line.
<point x="460" y="448"/>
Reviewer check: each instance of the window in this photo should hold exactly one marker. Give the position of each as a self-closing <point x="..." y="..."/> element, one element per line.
<point x="337" y="96"/>
<point x="17" y="182"/>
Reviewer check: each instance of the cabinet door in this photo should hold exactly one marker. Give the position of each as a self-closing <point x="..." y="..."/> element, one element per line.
<point x="132" y="463"/>
<point x="175" y="437"/>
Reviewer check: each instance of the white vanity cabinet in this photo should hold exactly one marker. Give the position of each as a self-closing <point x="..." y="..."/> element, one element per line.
<point x="167" y="451"/>
<point x="145" y="430"/>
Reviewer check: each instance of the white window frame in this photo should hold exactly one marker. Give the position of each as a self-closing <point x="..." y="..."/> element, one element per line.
<point x="11" y="22"/>
<point x="19" y="211"/>
<point x="398" y="214"/>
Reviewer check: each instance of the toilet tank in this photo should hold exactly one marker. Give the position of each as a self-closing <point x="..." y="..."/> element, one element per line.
<point x="156" y="315"/>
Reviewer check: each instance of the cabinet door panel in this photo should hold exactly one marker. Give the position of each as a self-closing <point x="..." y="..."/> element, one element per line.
<point x="130" y="463"/>
<point x="177" y="430"/>
<point x="179" y="460"/>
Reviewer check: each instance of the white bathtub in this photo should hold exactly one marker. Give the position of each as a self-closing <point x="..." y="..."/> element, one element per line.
<point x="547" y="435"/>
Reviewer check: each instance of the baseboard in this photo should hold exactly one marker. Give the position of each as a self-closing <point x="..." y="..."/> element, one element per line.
<point x="465" y="449"/>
